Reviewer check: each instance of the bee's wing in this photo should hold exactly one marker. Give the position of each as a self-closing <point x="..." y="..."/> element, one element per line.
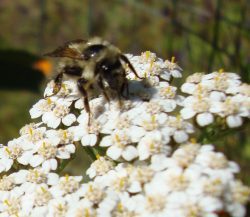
<point x="67" y="50"/>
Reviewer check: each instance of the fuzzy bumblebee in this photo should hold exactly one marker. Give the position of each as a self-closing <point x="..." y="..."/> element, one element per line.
<point x="98" y="66"/>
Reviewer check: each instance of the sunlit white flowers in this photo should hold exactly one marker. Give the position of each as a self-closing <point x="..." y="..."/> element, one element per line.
<point x="216" y="94"/>
<point x="145" y="157"/>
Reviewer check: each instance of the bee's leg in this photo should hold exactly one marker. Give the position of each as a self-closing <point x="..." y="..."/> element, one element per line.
<point x="80" y="84"/>
<point x="58" y="84"/>
<point x="125" y="59"/>
<point x="123" y="88"/>
<point x="100" y="83"/>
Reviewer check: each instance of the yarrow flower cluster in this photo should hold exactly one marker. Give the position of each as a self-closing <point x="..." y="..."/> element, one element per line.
<point x="218" y="94"/>
<point x="202" y="184"/>
<point x="145" y="160"/>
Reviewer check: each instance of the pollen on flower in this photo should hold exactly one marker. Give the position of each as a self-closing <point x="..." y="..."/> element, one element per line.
<point x="46" y="105"/>
<point x="171" y="65"/>
<point x="66" y="136"/>
<point x="241" y="193"/>
<point x="35" y="134"/>
<point x="60" y="210"/>
<point x="176" y="122"/>
<point x="155" y="147"/>
<point x="120" y="184"/>
<point x="143" y="174"/>
<point x="217" y="161"/>
<point x="186" y="155"/>
<point x="230" y="107"/>
<point x="42" y="196"/>
<point x="148" y="56"/>
<point x="123" y="122"/>
<point x="85" y="212"/>
<point x="28" y="129"/>
<point x="101" y="165"/>
<point x="47" y="150"/>
<point x="13" y="206"/>
<point x="69" y="184"/>
<point x="156" y="203"/>
<point x="192" y="210"/>
<point x="213" y="187"/>
<point x="36" y="176"/>
<point x="153" y="108"/>
<point x="168" y="92"/>
<point x="221" y="83"/>
<point x="121" y="211"/>
<point x="120" y="139"/>
<point x="245" y="89"/>
<point x="195" y="78"/>
<point x="94" y="194"/>
<point x="60" y="111"/>
<point x="6" y="183"/>
<point x="94" y="127"/>
<point x="14" y="151"/>
<point x="177" y="182"/>
<point x="201" y="105"/>
<point x="65" y="90"/>
<point x="150" y="124"/>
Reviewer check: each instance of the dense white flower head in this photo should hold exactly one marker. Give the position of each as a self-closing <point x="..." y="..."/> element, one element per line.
<point x="37" y="146"/>
<point x="143" y="163"/>
<point x="53" y="111"/>
<point x="218" y="94"/>
<point x="170" y="186"/>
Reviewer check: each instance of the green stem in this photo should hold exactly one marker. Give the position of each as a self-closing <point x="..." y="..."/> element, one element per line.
<point x="213" y="133"/>
<point x="64" y="163"/>
<point x="90" y="151"/>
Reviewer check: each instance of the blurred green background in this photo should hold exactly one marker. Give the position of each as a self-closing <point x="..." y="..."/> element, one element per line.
<point x="203" y="36"/>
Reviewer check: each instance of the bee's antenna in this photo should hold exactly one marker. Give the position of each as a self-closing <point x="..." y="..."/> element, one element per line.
<point x="125" y="59"/>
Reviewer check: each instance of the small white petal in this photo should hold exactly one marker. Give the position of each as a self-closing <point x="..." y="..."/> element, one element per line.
<point x="89" y="140"/>
<point x="143" y="151"/>
<point x="53" y="179"/>
<point x="69" y="119"/>
<point x="35" y="113"/>
<point x="217" y="96"/>
<point x="7" y="163"/>
<point x="25" y="158"/>
<point x="129" y="153"/>
<point x="53" y="164"/>
<point x="234" y="121"/>
<point x="63" y="154"/>
<point x="176" y="73"/>
<point x="2" y="168"/>
<point x="79" y="104"/>
<point x="51" y="120"/>
<point x="187" y="113"/>
<point x="180" y="136"/>
<point x="106" y="141"/>
<point x="188" y="88"/>
<point x="71" y="148"/>
<point x="36" y="160"/>
<point x="135" y="187"/>
<point x="204" y="119"/>
<point x="27" y="145"/>
<point x="168" y="105"/>
<point x="136" y="133"/>
<point x="114" y="152"/>
<point x="50" y="164"/>
<point x="20" y="176"/>
<point x="165" y="76"/>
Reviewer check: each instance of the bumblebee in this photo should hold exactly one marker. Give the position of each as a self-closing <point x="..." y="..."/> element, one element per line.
<point x="97" y="64"/>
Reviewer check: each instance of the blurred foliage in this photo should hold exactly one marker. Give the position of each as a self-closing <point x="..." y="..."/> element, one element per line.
<point x="202" y="35"/>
